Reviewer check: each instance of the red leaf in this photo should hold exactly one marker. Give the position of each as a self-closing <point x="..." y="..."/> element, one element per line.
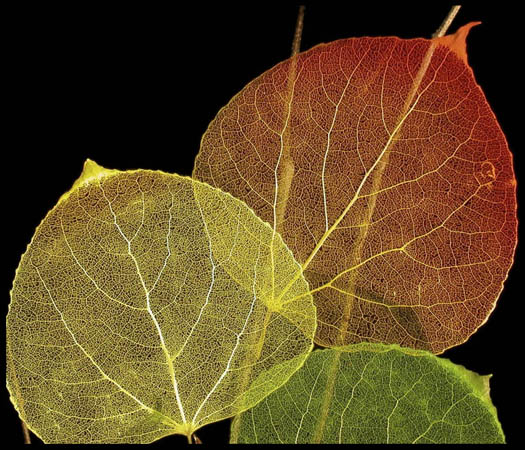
<point x="384" y="169"/>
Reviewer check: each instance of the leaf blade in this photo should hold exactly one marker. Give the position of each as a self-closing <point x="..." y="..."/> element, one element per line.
<point x="398" y="185"/>
<point x="129" y="320"/>
<point x="382" y="394"/>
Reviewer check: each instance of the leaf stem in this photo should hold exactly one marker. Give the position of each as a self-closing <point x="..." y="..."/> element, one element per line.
<point x="446" y="23"/>
<point x="280" y="200"/>
<point x="27" y="436"/>
<point x="296" y="45"/>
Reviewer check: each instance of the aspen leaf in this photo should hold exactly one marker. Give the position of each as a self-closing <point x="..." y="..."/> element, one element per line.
<point x="375" y="394"/>
<point x="383" y="167"/>
<point x="149" y="304"/>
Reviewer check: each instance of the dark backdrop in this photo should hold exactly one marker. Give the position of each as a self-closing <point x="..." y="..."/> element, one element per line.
<point x="135" y="87"/>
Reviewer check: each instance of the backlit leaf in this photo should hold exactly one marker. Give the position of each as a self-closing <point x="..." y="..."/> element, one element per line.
<point x="149" y="304"/>
<point x="384" y="169"/>
<point x="373" y="393"/>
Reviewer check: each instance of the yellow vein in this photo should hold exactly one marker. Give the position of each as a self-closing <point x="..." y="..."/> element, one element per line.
<point x="350" y="204"/>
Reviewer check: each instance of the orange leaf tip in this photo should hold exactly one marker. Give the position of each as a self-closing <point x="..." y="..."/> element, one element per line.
<point x="457" y="42"/>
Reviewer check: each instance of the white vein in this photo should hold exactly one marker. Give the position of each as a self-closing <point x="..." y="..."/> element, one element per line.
<point x="308" y="403"/>
<point x="328" y="141"/>
<point x="236" y="346"/>
<point x="212" y="282"/>
<point x="168" y="256"/>
<point x="89" y="276"/>
<point x="83" y="349"/>
<point x="150" y="312"/>
<point x="341" y="425"/>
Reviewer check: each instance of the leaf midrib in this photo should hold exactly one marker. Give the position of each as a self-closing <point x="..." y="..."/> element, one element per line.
<point x="165" y="350"/>
<point x="409" y="107"/>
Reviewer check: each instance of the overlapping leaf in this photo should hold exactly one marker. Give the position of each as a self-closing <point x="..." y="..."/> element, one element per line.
<point x="372" y="393"/>
<point x="384" y="169"/>
<point x="149" y="304"/>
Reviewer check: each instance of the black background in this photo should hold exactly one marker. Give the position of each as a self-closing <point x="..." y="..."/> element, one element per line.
<point x="135" y="87"/>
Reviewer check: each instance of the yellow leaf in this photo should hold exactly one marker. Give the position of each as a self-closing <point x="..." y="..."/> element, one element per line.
<point x="149" y="304"/>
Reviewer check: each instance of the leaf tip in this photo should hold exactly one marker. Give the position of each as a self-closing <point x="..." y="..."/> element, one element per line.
<point x="457" y="42"/>
<point x="480" y="383"/>
<point x="90" y="172"/>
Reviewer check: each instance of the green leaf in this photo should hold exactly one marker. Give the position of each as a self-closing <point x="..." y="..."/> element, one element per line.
<point x="150" y="304"/>
<point x="372" y="393"/>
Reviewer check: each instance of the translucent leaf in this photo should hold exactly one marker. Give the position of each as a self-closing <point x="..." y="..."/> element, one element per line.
<point x="373" y="393"/>
<point x="383" y="167"/>
<point x="149" y="304"/>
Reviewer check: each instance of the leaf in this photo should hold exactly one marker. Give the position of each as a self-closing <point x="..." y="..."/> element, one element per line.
<point x="149" y="304"/>
<point x="374" y="393"/>
<point x="383" y="167"/>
